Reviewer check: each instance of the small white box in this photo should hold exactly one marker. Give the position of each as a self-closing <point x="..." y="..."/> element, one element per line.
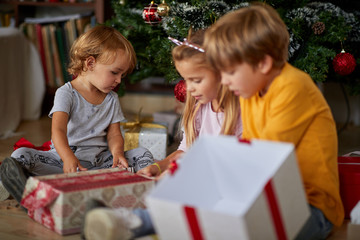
<point x="224" y="189"/>
<point x="147" y="135"/>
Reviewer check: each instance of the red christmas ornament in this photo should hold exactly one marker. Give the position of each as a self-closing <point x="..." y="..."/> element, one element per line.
<point x="344" y="63"/>
<point x="180" y="90"/>
<point x="150" y="14"/>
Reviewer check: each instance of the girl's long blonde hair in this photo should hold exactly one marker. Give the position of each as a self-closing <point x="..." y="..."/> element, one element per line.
<point x="229" y="103"/>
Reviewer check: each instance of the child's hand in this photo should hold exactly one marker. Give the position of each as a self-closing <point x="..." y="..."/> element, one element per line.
<point x="149" y="171"/>
<point x="73" y="165"/>
<point x="120" y="161"/>
<point x="158" y="178"/>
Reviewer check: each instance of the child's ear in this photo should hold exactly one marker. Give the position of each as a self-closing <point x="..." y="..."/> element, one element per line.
<point x="90" y="63"/>
<point x="266" y="64"/>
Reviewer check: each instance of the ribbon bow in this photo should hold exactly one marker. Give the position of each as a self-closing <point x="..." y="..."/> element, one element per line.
<point x="133" y="130"/>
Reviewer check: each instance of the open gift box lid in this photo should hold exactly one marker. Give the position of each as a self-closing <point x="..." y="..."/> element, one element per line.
<point x="226" y="183"/>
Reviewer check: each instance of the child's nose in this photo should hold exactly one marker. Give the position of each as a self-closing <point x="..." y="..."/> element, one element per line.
<point x="189" y="87"/>
<point x="224" y="80"/>
<point x="118" y="79"/>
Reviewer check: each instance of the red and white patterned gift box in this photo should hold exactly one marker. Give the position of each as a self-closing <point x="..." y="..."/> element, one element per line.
<point x="58" y="201"/>
<point x="223" y="189"/>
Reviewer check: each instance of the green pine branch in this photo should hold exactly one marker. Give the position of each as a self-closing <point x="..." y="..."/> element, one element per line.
<point x="310" y="52"/>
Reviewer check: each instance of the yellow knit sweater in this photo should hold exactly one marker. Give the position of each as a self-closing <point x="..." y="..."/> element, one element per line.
<point x="294" y="110"/>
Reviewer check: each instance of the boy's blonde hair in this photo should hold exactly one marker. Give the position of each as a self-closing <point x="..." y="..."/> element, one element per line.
<point x="229" y="103"/>
<point x="102" y="43"/>
<point x="247" y="35"/>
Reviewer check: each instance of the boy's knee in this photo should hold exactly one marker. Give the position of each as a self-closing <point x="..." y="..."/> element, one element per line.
<point x="18" y="153"/>
<point x="139" y="158"/>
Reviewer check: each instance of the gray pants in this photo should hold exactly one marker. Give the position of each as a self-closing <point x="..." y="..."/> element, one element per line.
<point x="49" y="162"/>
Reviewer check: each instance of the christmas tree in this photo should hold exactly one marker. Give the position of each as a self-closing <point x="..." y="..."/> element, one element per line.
<point x="319" y="31"/>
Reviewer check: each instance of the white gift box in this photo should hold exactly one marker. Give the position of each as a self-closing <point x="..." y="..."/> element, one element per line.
<point x="149" y="136"/>
<point x="154" y="139"/>
<point x="224" y="189"/>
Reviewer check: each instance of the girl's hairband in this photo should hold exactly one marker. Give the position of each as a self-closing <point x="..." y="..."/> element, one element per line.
<point x="185" y="42"/>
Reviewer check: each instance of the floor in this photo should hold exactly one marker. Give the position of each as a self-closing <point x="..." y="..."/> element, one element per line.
<point x="15" y="224"/>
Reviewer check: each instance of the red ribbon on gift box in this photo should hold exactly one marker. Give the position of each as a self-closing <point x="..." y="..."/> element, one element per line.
<point x="275" y="211"/>
<point x="273" y="205"/>
<point x="173" y="167"/>
<point x="193" y="223"/>
<point x="243" y="140"/>
<point x="25" y="143"/>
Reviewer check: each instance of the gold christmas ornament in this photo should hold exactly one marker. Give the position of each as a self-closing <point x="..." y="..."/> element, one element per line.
<point x="163" y="9"/>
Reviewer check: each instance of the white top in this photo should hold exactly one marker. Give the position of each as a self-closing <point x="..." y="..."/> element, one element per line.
<point x="208" y="122"/>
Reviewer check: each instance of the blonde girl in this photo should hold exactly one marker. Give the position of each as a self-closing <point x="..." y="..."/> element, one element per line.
<point x="210" y="109"/>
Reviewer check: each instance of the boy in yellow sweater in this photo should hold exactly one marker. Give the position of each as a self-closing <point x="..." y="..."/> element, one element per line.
<point x="280" y="102"/>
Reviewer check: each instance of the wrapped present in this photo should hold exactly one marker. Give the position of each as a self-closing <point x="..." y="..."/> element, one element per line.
<point x="226" y="189"/>
<point x="143" y="133"/>
<point x="58" y="201"/>
<point x="349" y="177"/>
